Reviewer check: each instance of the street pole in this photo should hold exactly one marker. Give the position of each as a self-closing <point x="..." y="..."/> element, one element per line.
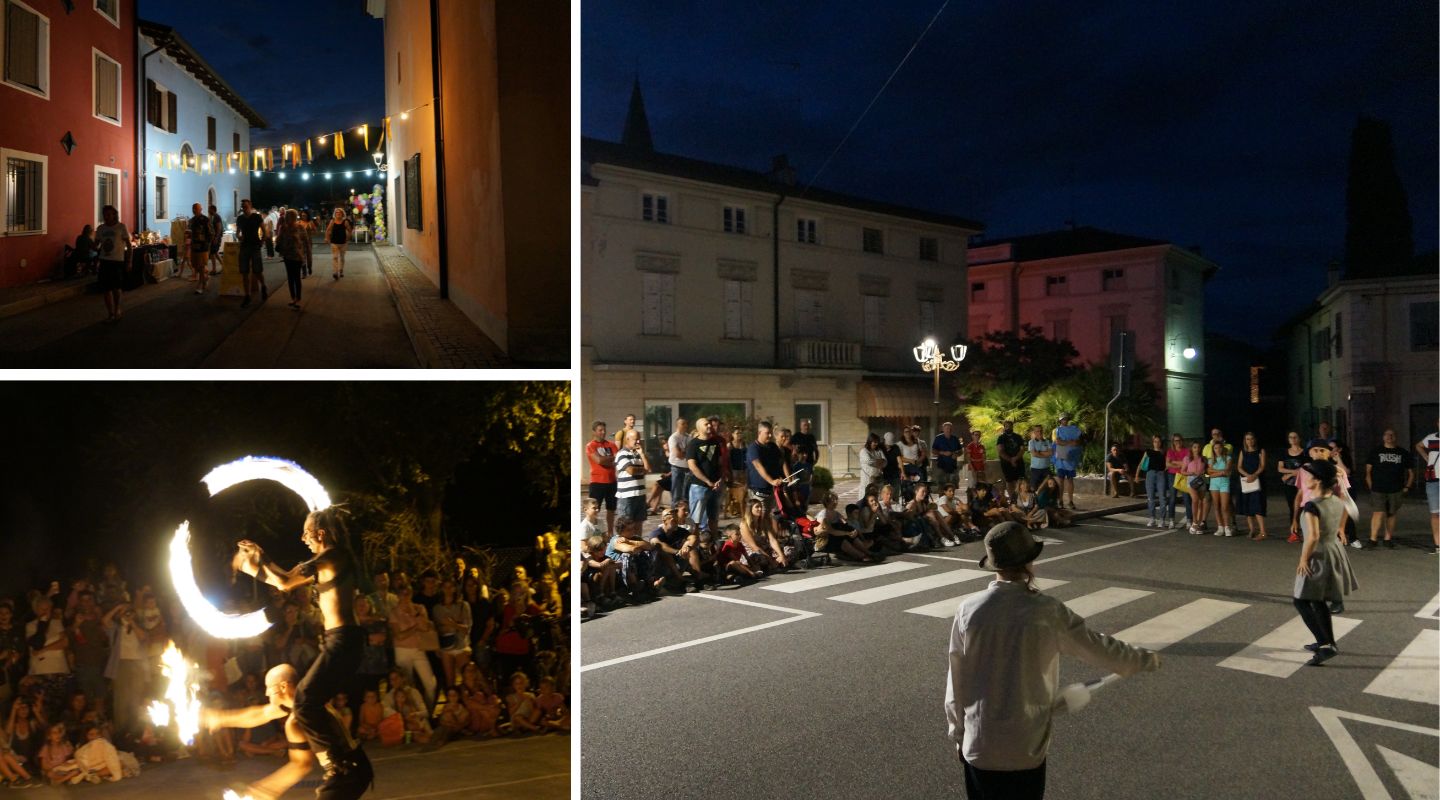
<point x="932" y="359"/>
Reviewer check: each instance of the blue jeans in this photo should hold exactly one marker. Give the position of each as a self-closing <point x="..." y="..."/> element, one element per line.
<point x="1160" y="494"/>
<point x="704" y="505"/>
<point x="679" y="483"/>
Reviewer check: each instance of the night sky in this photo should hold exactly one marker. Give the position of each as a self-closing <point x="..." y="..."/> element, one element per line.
<point x="308" y="66"/>
<point x="1219" y="125"/>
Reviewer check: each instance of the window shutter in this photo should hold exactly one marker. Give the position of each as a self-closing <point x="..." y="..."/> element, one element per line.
<point x="732" y="309"/>
<point x="651" y="323"/>
<point x="107" y="80"/>
<point x="22" y="46"/>
<point x="747" y="305"/>
<point x="173" y="101"/>
<point x="667" y="304"/>
<point x="210" y="132"/>
<point x="152" y="103"/>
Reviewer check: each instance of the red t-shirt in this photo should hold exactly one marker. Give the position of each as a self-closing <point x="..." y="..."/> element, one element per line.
<point x="596" y="450"/>
<point x="976" y="451"/>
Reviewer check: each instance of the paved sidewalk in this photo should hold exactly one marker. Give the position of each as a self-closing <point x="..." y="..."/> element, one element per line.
<point x="19" y="299"/>
<point x="443" y="337"/>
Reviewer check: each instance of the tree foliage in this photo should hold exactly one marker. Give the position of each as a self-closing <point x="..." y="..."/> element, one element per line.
<point x="1027" y="359"/>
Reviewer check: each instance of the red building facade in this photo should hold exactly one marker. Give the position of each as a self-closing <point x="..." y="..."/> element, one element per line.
<point x="67" y="127"/>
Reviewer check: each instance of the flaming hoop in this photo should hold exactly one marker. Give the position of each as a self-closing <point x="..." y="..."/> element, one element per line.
<point x="182" y="573"/>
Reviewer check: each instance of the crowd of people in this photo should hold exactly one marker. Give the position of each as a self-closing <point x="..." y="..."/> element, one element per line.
<point x="917" y="498"/>
<point x="446" y="655"/>
<point x="109" y="249"/>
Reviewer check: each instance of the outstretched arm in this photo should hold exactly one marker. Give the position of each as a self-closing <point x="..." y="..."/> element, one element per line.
<point x="249" y="717"/>
<point x="250" y="559"/>
<point x="296" y="767"/>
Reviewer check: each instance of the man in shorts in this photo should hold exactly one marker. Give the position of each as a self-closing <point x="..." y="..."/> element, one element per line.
<point x="1429" y="450"/>
<point x="1008" y="446"/>
<point x="1388" y="476"/>
<point x="601" y="455"/>
<point x="198" y="232"/>
<point x="112" y="239"/>
<point x="251" y="229"/>
<point x="1067" y="457"/>
<point x="630" y="478"/>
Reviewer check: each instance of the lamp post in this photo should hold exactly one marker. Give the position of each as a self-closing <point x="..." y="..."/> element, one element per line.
<point x="932" y="359"/>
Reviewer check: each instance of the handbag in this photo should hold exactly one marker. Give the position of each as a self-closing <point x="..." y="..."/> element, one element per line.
<point x="1145" y="463"/>
<point x="1180" y="481"/>
<point x="1198" y="482"/>
<point x="1249" y="487"/>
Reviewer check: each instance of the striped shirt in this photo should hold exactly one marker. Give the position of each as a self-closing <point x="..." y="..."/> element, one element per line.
<point x="627" y="485"/>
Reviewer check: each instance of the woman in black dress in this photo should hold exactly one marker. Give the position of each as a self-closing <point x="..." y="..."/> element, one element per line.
<point x="1250" y="489"/>
<point x="1291" y="460"/>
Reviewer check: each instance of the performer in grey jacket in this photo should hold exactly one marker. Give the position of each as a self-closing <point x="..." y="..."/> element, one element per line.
<point x="1003" y="684"/>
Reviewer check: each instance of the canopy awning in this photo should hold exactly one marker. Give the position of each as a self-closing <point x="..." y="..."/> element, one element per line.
<point x="894" y="399"/>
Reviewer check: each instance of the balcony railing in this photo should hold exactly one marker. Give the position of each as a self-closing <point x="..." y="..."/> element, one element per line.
<point x="819" y="354"/>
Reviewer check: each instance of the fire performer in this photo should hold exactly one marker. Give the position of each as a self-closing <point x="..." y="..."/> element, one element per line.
<point x="280" y="690"/>
<point x="334" y="573"/>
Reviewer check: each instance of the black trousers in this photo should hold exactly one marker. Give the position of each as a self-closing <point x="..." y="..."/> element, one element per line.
<point x="1316" y="614"/>
<point x="333" y="671"/>
<point x="292" y="277"/>
<point x="990" y="784"/>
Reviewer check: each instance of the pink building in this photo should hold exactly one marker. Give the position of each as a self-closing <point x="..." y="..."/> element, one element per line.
<point x="1084" y="283"/>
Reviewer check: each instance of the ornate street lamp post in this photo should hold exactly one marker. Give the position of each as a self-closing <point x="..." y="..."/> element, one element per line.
<point x="932" y="359"/>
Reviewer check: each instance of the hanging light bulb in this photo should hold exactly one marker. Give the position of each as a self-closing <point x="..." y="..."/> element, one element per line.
<point x="404" y="115"/>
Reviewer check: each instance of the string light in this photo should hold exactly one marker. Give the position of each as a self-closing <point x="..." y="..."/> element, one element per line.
<point x="348" y="174"/>
<point x="404" y="115"/>
<point x="305" y="177"/>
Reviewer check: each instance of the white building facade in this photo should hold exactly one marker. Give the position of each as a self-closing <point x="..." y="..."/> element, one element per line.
<point x="715" y="290"/>
<point x="191" y="121"/>
<point x="1365" y="359"/>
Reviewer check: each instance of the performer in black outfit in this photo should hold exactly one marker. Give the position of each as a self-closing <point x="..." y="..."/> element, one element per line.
<point x="333" y="570"/>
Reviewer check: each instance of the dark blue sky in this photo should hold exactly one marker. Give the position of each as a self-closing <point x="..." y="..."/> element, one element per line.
<point x="308" y="66"/>
<point x="1222" y="124"/>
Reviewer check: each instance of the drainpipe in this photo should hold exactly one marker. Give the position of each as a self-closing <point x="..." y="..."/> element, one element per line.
<point x="440" y="225"/>
<point x="143" y="120"/>
<point x="775" y="263"/>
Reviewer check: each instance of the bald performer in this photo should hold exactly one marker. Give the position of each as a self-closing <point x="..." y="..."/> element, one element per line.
<point x="280" y="686"/>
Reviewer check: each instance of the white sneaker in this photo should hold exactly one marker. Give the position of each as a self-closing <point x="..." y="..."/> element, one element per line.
<point x="1220" y="531"/>
<point x="1357" y="545"/>
<point x="1196" y="531"/>
<point x="1150" y="523"/>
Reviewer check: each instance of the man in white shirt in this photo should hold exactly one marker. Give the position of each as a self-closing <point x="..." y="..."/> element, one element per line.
<point x="676" y="448"/>
<point x="1000" y="719"/>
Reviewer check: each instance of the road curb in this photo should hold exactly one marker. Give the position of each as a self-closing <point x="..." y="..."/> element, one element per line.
<point x="41" y="300"/>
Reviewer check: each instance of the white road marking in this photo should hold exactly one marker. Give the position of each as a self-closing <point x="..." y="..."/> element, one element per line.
<point x="1414" y="674"/>
<point x="1160" y="632"/>
<point x="1103" y="547"/>
<point x="1418" y="778"/>
<point x="944" y="558"/>
<point x="1431" y="609"/>
<point x="842" y="576"/>
<point x="1104" y="600"/>
<point x="1366" y="778"/>
<point x="797" y="616"/>
<point x="902" y="588"/>
<point x="1281" y="652"/>
<point x="945" y="609"/>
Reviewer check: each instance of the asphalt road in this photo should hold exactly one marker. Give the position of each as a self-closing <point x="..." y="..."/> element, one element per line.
<point x="350" y="323"/>
<point x="836" y="691"/>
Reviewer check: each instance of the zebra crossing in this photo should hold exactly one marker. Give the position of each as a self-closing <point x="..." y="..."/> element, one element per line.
<point x="1278" y="653"/>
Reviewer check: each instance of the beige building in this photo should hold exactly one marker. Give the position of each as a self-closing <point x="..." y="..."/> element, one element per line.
<point x="710" y="289"/>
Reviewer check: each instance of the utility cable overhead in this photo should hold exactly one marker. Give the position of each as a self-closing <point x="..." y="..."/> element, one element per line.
<point x="874" y="99"/>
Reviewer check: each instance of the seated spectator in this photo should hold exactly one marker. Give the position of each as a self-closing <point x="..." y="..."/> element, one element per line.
<point x="1116" y="470"/>
<point x="733" y="559"/>
<point x="762" y="545"/>
<point x="339" y="705"/>
<point x="24" y="731"/>
<point x="482" y="703"/>
<point x="925" y="528"/>
<point x="597" y="572"/>
<point x="513" y="647"/>
<point x="835" y="536"/>
<point x="554" y="713"/>
<point x="452" y="721"/>
<point x="1047" y="497"/>
<point x="874" y="520"/>
<point x="54" y="759"/>
<point x="705" y="553"/>
<point x="372" y="713"/>
<point x="1029" y="508"/>
<point x="520" y="705"/>
<point x="12" y="765"/>
<point x="97" y="759"/>
<point x="674" y="549"/>
<point x="407" y="702"/>
<point x="263" y="740"/>
<point x="634" y="559"/>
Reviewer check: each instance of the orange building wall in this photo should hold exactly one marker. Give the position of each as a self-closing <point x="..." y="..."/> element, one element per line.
<point x="408" y="85"/>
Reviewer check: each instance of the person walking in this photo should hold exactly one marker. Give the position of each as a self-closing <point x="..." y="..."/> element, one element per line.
<point x="337" y="233"/>
<point x="1250" y="500"/>
<point x="112" y="239"/>
<point x="308" y="226"/>
<point x="217" y="233"/>
<point x="1291" y="459"/>
<point x="292" y="241"/>
<point x="1323" y="576"/>
<point x="1159" y="486"/>
<point x="250" y="227"/>
<point x="1001" y="719"/>
<point x="199" y="232"/>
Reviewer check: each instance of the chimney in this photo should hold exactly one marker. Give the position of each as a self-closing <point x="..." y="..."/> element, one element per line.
<point x="781" y="171"/>
<point x="1332" y="273"/>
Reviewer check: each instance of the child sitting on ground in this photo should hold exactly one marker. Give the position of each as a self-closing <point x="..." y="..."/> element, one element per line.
<point x="453" y="720"/>
<point x="371" y="715"/>
<point x="98" y="759"/>
<point x="1047" y="496"/>
<point x="730" y="561"/>
<point x="554" y="714"/>
<point x="1028" y="507"/>
<point x="599" y="574"/>
<point x="54" y="757"/>
<point x="520" y="705"/>
<point x="480" y="701"/>
<point x="835" y="536"/>
<point x="705" y="551"/>
<point x="339" y="705"/>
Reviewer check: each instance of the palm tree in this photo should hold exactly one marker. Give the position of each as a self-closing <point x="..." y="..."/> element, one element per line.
<point x="996" y="404"/>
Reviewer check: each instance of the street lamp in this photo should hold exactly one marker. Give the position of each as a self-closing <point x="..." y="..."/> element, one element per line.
<point x="932" y="359"/>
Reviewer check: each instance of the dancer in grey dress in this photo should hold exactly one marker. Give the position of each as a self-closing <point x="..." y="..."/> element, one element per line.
<point x="1323" y="576"/>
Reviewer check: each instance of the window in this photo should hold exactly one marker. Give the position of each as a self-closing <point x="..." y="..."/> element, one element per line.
<point x="1320" y="346"/>
<point x="1060" y="330"/>
<point x="659" y="304"/>
<point x="107" y="87"/>
<point x="210" y="134"/>
<point x="1112" y="279"/>
<point x="817" y="412"/>
<point x="1114" y="323"/>
<point x="1055" y="286"/>
<point x="235" y="148"/>
<point x="660" y="416"/>
<point x="805" y="231"/>
<point x="107" y="191"/>
<point x="187" y="156"/>
<point x="1339" y="329"/>
<point x="739" y="310"/>
<point x="27" y="49"/>
<point x="655" y="208"/>
<point x="162" y="198"/>
<point x="1424" y="321"/>
<point x="977" y="292"/>
<point x="109" y="9"/>
<point x="927" y="317"/>
<point x="809" y="312"/>
<point x="161" y="106"/>
<point x="929" y="248"/>
<point x="874" y="320"/>
<point x="26" y="192"/>
<point x="734" y="219"/>
<point x="873" y="240"/>
<point x="413" y="206"/>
